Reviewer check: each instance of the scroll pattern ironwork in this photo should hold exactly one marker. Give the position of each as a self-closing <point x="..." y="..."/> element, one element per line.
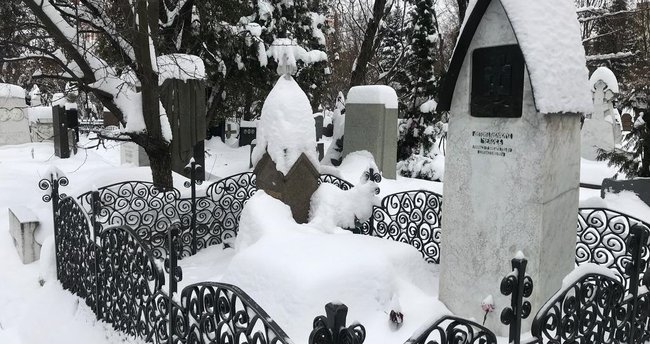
<point x="454" y="330"/>
<point x="332" y="179"/>
<point x="412" y="217"/>
<point x="587" y="311"/>
<point x="223" y="313"/>
<point x="75" y="251"/>
<point x="139" y="205"/>
<point x="602" y="236"/>
<point x="128" y="277"/>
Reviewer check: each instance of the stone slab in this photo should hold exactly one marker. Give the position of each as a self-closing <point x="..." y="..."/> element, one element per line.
<point x="23" y="224"/>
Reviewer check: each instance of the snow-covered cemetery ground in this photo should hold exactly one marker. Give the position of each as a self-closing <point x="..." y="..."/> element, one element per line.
<point x="282" y="265"/>
<point x="325" y="171"/>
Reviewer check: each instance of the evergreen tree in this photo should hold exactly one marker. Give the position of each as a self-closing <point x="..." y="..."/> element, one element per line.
<point x="420" y="131"/>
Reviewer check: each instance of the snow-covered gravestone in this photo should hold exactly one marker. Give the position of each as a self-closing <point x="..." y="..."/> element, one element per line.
<point x="41" y="123"/>
<point x="132" y="154"/>
<point x="22" y="227"/>
<point x="599" y="129"/>
<point x="371" y="125"/>
<point x="285" y="155"/>
<point x="14" y="125"/>
<point x="516" y="88"/>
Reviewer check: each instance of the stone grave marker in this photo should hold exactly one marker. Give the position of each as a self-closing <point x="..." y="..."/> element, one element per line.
<point x="41" y="123"/>
<point x="247" y="132"/>
<point x="22" y="227"/>
<point x="61" y="143"/>
<point x="131" y="153"/>
<point x="14" y="125"/>
<point x="371" y="125"/>
<point x="513" y="152"/>
<point x="185" y="103"/>
<point x="599" y="128"/>
<point x="285" y="152"/>
<point x="231" y="132"/>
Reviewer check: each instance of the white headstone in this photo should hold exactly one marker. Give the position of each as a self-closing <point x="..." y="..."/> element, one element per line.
<point x="513" y="155"/>
<point x="231" y="132"/>
<point x="40" y="123"/>
<point x="131" y="153"/>
<point x="22" y="227"/>
<point x="600" y="128"/>
<point x="14" y="126"/>
<point x="371" y="125"/>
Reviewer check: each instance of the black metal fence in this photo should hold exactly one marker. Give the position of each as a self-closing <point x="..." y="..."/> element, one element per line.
<point x="109" y="245"/>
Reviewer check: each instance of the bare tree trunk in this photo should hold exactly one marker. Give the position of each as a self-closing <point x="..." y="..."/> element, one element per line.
<point x="368" y="45"/>
<point x="158" y="150"/>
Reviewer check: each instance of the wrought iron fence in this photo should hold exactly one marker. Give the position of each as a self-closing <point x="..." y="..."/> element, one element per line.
<point x="412" y="217"/>
<point x="129" y="293"/>
<point x="117" y="273"/>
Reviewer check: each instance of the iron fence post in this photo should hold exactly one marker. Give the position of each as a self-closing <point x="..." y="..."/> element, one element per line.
<point x="331" y="328"/>
<point x="520" y="286"/>
<point x="637" y="239"/>
<point x="95" y="208"/>
<point x="175" y="275"/>
<point x="192" y="168"/>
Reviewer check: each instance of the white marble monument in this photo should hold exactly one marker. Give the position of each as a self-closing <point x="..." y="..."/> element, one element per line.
<point x="515" y="90"/>
<point x="131" y="153"/>
<point x="14" y="126"/>
<point x="600" y="128"/>
<point x="371" y="125"/>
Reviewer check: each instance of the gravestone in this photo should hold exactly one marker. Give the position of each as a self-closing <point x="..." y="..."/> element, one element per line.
<point x="231" y="132"/>
<point x="513" y="152"/>
<point x="14" y="125"/>
<point x="293" y="189"/>
<point x="285" y="152"/>
<point x="131" y="153"/>
<point x="599" y="128"/>
<point x="371" y="125"/>
<point x="61" y="143"/>
<point x="626" y="121"/>
<point x="318" y="118"/>
<point x="184" y="101"/>
<point x="22" y="227"/>
<point x="247" y="132"/>
<point x="41" y="123"/>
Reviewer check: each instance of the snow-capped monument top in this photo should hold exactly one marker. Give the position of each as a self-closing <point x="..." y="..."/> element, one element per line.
<point x="286" y="127"/>
<point x="548" y="34"/>
<point x="607" y="76"/>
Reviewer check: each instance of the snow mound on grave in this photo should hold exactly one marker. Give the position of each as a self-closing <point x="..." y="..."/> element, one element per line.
<point x="331" y="207"/>
<point x="607" y="76"/>
<point x="293" y="270"/>
<point x="549" y="35"/>
<point x="286" y="128"/>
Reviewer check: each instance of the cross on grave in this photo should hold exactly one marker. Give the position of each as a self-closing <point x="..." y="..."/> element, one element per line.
<point x="229" y="130"/>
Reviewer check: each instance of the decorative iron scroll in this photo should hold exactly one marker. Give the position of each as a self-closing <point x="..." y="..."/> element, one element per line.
<point x="587" y="311"/>
<point x="412" y="217"/>
<point x="162" y="323"/>
<point x="140" y="205"/>
<point x="128" y="277"/>
<point x="218" y="215"/>
<point x="454" y="330"/>
<point x="75" y="251"/>
<point x="223" y="313"/>
<point x="332" y="328"/>
<point x="332" y="179"/>
<point x="602" y="239"/>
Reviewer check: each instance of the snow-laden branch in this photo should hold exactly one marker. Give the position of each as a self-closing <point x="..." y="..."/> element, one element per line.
<point x="613" y="56"/>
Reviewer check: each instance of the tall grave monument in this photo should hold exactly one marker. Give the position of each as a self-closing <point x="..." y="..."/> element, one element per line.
<point x="516" y="87"/>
